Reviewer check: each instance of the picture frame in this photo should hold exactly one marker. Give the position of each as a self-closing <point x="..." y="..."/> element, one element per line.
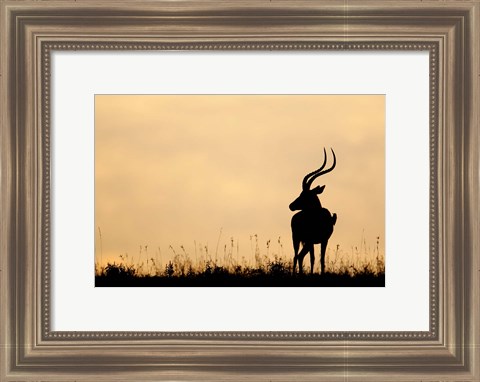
<point x="31" y="30"/>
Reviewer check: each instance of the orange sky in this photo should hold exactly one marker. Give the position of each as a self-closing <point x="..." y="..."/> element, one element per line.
<point x="178" y="169"/>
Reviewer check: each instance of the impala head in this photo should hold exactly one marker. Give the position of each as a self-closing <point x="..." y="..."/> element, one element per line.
<point x="308" y="197"/>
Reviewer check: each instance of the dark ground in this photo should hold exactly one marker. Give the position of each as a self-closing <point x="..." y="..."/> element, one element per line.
<point x="232" y="280"/>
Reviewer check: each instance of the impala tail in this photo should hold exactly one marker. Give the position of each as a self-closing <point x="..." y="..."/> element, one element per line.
<point x="334" y="218"/>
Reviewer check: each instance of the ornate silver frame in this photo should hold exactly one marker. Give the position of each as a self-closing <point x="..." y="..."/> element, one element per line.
<point x="31" y="31"/>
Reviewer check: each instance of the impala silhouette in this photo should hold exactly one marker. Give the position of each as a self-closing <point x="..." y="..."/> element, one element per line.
<point x="313" y="224"/>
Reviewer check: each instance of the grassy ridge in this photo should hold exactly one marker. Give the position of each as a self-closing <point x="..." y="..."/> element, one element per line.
<point x="276" y="272"/>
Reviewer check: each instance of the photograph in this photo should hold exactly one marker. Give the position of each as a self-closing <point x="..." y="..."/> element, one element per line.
<point x="240" y="190"/>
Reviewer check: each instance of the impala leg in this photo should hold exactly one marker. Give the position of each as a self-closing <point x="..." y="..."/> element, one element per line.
<point x="312" y="258"/>
<point x="300" y="257"/>
<point x="300" y="264"/>
<point x="322" y="256"/>
<point x="296" y="245"/>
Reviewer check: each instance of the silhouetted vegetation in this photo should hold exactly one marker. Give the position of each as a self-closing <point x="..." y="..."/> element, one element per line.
<point x="362" y="267"/>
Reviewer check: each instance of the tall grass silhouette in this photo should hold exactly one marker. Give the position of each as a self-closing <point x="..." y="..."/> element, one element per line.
<point x="268" y="266"/>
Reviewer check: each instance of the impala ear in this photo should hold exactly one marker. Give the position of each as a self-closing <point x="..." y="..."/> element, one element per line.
<point x="318" y="190"/>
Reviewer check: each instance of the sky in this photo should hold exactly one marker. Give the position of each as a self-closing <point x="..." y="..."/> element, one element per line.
<point x="199" y="170"/>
